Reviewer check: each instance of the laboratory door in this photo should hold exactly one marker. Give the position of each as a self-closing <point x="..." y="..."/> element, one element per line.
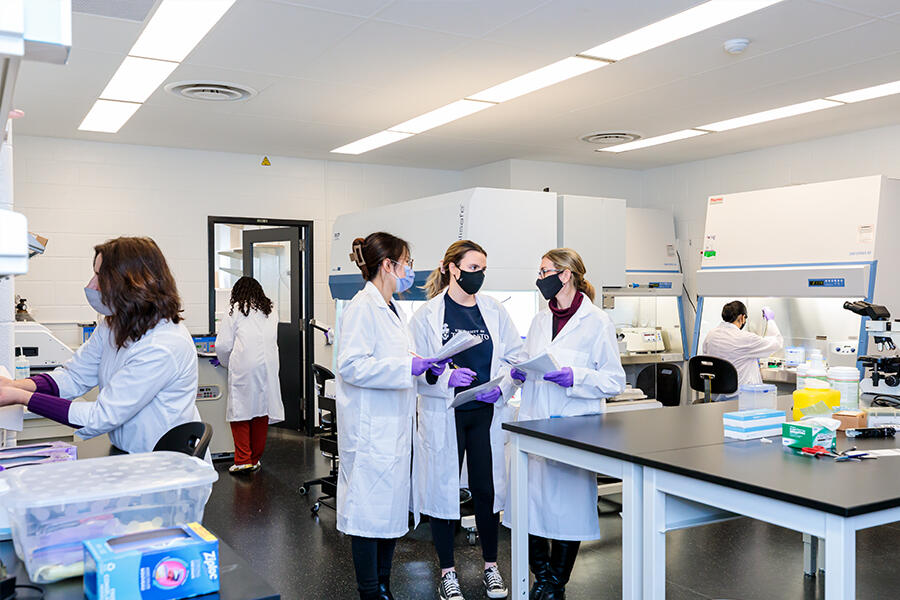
<point x="273" y="257"/>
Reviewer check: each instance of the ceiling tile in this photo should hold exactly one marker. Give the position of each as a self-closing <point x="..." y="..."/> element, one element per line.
<point x="360" y="8"/>
<point x="874" y="8"/>
<point x="462" y="17"/>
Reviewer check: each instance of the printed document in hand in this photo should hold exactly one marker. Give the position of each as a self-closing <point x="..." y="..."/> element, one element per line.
<point x="458" y="343"/>
<point x="539" y="365"/>
<point x="469" y="395"/>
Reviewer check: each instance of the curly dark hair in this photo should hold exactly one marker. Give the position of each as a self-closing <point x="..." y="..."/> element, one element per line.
<point x="248" y="294"/>
<point x="135" y="281"/>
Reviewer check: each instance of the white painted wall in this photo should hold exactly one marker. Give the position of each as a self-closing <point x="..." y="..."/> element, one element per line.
<point x="79" y="194"/>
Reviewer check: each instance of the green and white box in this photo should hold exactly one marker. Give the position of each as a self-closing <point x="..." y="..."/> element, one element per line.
<point x="806" y="435"/>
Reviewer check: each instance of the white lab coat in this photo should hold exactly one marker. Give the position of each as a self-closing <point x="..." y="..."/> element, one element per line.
<point x="562" y="500"/>
<point x="146" y="388"/>
<point x="743" y="349"/>
<point x="436" y="470"/>
<point x="376" y="403"/>
<point x="248" y="346"/>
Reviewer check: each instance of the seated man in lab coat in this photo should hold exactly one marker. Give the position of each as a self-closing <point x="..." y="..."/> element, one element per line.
<point x="742" y="348"/>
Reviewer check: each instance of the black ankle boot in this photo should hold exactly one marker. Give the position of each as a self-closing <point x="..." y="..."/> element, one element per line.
<point x="384" y="591"/>
<point x="562" y="560"/>
<point x="539" y="561"/>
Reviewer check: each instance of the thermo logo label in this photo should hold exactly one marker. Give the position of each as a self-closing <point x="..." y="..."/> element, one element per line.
<point x="714" y="201"/>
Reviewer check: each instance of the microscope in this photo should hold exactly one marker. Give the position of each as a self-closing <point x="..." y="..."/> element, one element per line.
<point x="882" y="376"/>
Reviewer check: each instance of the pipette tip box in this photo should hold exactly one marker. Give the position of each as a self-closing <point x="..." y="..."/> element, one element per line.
<point x="753" y="423"/>
<point x="161" y="564"/>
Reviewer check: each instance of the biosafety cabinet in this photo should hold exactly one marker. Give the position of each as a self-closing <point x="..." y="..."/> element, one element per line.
<point x="803" y="250"/>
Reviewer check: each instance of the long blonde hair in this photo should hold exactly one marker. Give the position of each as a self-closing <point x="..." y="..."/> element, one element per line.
<point x="440" y="277"/>
<point x="566" y="258"/>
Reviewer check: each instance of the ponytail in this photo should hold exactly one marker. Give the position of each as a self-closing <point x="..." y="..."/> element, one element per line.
<point x="566" y="258"/>
<point x="369" y="253"/>
<point x="440" y="277"/>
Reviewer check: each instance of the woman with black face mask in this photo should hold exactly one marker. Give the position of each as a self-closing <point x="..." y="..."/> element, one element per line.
<point x="446" y="434"/>
<point x="562" y="500"/>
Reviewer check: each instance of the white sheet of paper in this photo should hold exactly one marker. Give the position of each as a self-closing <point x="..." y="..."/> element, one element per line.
<point x="539" y="365"/>
<point x="458" y="343"/>
<point x="469" y="395"/>
<point x="11" y="416"/>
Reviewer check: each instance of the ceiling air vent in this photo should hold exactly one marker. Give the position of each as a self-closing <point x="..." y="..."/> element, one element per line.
<point x="210" y="91"/>
<point x="610" y="138"/>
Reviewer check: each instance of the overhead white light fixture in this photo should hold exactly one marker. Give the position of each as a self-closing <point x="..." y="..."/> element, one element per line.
<point x="706" y="15"/>
<point x="654" y="141"/>
<point x="177" y="27"/>
<point x="382" y="138"/>
<point x="108" y="116"/>
<point x="441" y="116"/>
<point x="137" y="78"/>
<point x="771" y="115"/>
<point x="876" y="91"/>
<point x="566" y="68"/>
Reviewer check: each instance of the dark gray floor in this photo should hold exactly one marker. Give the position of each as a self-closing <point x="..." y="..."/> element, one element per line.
<point x="266" y="521"/>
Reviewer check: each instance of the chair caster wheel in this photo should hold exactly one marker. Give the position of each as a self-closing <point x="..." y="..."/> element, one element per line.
<point x="471" y="538"/>
<point x="315" y="508"/>
<point x="303" y="491"/>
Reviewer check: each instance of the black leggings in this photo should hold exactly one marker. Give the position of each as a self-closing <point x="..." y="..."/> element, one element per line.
<point x="473" y="440"/>
<point x="372" y="559"/>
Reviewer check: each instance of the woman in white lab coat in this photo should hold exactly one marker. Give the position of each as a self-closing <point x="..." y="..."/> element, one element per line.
<point x="247" y="345"/>
<point x="376" y="402"/>
<point x="445" y="435"/>
<point x="562" y="500"/>
<point x="140" y="356"/>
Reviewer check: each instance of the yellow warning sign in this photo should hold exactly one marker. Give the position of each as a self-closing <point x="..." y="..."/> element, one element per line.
<point x="266" y="162"/>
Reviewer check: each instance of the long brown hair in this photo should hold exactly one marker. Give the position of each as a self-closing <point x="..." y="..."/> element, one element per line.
<point x="440" y="277"/>
<point x="247" y="294"/>
<point x="566" y="258"/>
<point x="136" y="283"/>
<point x="369" y="253"/>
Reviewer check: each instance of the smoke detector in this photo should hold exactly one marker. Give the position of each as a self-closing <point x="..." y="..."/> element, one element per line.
<point x="210" y="91"/>
<point x="610" y="138"/>
<point x="736" y="45"/>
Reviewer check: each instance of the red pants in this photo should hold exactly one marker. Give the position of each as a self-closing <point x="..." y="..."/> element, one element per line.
<point x="249" y="440"/>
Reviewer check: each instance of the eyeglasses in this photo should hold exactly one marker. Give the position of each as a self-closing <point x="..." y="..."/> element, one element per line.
<point x="409" y="262"/>
<point x="544" y="272"/>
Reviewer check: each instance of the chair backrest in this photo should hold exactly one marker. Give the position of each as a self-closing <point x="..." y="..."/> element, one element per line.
<point x="668" y="384"/>
<point x="720" y="373"/>
<point x="646" y="381"/>
<point x="322" y="375"/>
<point x="188" y="438"/>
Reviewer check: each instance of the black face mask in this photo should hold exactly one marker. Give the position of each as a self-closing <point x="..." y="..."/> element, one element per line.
<point x="549" y="286"/>
<point x="470" y="281"/>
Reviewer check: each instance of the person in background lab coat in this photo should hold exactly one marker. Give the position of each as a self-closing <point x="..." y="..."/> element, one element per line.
<point x="562" y="500"/>
<point x="247" y="345"/>
<point x="445" y="435"/>
<point x="742" y="348"/>
<point x="140" y="355"/>
<point x="376" y="403"/>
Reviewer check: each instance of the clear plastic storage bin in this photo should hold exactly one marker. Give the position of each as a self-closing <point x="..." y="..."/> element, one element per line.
<point x="757" y="395"/>
<point x="54" y="507"/>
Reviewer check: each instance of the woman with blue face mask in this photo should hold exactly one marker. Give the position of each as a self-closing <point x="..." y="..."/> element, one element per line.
<point x="376" y="407"/>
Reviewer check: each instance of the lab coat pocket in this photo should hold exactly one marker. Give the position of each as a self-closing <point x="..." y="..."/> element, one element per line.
<point x="385" y="434"/>
<point x="568" y="357"/>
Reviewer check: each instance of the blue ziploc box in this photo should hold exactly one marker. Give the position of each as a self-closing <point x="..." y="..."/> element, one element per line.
<point x="160" y="564"/>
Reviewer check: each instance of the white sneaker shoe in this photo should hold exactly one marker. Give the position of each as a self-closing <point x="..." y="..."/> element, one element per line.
<point x="494" y="584"/>
<point x="449" y="587"/>
<point x="239" y="468"/>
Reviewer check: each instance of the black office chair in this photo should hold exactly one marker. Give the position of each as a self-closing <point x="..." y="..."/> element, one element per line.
<point x="712" y="375"/>
<point x="328" y="444"/>
<point x="188" y="438"/>
<point x="661" y="381"/>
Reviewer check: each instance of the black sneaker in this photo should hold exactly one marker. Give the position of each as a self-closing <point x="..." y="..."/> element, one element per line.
<point x="493" y="583"/>
<point x="449" y="587"/>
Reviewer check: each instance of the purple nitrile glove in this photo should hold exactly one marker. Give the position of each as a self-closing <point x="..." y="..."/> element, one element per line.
<point x="461" y="378"/>
<point x="768" y="313"/>
<point x="215" y="362"/>
<point x="438" y="368"/>
<point x="420" y="365"/>
<point x="518" y="375"/>
<point x="563" y="378"/>
<point x="490" y="396"/>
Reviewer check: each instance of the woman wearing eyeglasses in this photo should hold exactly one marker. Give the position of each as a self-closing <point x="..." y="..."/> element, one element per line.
<point x="445" y="434"/>
<point x="562" y="500"/>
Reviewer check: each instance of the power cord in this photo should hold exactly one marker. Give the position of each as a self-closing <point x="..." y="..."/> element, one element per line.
<point x="886" y="400"/>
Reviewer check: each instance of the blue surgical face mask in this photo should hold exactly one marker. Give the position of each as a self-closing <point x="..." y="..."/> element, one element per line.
<point x="96" y="301"/>
<point x="405" y="282"/>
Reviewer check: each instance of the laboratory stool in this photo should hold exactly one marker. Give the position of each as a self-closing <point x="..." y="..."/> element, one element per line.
<point x="328" y="444"/>
<point x="712" y="375"/>
<point x="188" y="438"/>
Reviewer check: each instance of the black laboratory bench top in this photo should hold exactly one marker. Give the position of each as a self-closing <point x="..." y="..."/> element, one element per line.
<point x="688" y="440"/>
<point x="238" y="580"/>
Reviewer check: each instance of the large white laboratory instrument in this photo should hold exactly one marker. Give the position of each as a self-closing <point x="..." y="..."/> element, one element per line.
<point x="812" y="248"/>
